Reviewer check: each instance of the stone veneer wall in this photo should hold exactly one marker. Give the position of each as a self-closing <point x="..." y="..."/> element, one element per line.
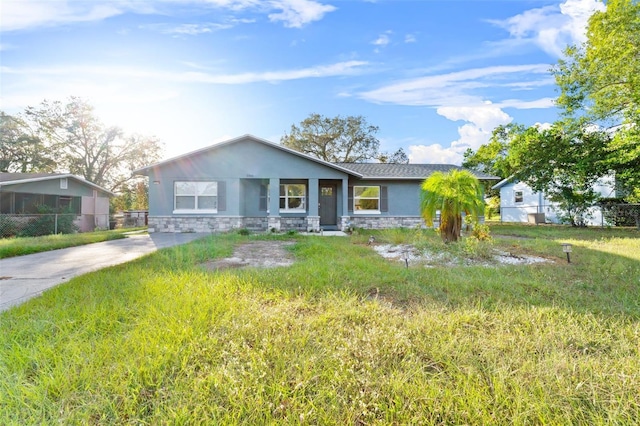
<point x="228" y="223"/>
<point x="194" y="223"/>
<point x="384" y="222"/>
<point x="301" y="224"/>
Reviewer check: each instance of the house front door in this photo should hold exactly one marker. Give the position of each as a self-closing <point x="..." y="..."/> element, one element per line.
<point x="328" y="204"/>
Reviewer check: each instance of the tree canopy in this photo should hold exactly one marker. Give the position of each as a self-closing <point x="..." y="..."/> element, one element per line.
<point x="81" y="144"/>
<point x="601" y="78"/>
<point x="598" y="133"/>
<point x="338" y="139"/>
<point x="398" y="157"/>
<point x="599" y="84"/>
<point x="564" y="161"/>
<point x="21" y="151"/>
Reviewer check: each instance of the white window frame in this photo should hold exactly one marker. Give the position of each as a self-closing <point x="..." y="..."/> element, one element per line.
<point x="64" y="183"/>
<point x="199" y="192"/>
<point x="516" y="196"/>
<point x="286" y="197"/>
<point x="357" y="198"/>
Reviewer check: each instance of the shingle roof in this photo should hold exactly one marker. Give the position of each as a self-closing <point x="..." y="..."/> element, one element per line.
<point x="405" y="171"/>
<point x="7" y="177"/>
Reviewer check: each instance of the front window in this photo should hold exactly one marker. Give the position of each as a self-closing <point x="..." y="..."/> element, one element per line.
<point x="196" y="196"/>
<point x="366" y="199"/>
<point x="292" y="197"/>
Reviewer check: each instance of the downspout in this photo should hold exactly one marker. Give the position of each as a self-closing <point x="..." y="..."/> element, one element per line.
<point x="540" y="199"/>
<point x="95" y="209"/>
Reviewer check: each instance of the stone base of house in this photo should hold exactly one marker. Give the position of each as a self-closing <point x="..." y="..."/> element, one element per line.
<point x="380" y="222"/>
<point x="275" y="223"/>
<point x="229" y="223"/>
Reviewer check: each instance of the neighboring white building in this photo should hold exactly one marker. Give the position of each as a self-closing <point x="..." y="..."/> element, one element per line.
<point x="520" y="203"/>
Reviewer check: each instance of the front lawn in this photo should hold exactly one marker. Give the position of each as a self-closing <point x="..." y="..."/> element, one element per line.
<point x="342" y="336"/>
<point x="19" y="246"/>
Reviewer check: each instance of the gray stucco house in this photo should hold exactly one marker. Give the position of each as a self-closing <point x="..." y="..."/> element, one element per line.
<point x="21" y="194"/>
<point x="248" y="182"/>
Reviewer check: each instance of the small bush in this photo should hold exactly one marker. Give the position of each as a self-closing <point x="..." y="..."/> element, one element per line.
<point x="243" y="231"/>
<point x="49" y="222"/>
<point x="481" y="232"/>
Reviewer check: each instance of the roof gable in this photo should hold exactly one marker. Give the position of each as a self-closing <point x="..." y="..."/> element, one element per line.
<point x="229" y="142"/>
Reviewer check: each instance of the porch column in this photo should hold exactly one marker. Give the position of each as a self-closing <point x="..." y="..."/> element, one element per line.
<point x="345" y="220"/>
<point x="313" y="216"/>
<point x="274" y="204"/>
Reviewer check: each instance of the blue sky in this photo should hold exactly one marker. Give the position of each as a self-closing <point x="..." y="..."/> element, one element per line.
<point x="436" y="76"/>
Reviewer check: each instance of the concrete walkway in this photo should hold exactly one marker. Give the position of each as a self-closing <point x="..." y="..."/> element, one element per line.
<point x="24" y="277"/>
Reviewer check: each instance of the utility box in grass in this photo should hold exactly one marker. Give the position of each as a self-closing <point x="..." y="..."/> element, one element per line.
<point x="536" y="218"/>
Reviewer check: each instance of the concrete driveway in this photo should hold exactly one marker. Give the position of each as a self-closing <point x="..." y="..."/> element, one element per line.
<point x="24" y="277"/>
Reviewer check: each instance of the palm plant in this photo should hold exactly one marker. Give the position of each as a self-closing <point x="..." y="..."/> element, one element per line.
<point x="452" y="194"/>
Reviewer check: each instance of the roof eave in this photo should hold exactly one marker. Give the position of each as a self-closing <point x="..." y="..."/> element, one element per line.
<point x="502" y="183"/>
<point x="58" y="176"/>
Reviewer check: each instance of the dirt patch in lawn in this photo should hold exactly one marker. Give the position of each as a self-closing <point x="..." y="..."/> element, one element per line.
<point x="409" y="254"/>
<point x="256" y="254"/>
<point x="272" y="254"/>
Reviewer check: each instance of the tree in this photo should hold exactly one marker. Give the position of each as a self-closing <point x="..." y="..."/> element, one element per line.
<point x="493" y="158"/>
<point x="337" y="139"/>
<point x="84" y="146"/>
<point x="20" y="150"/>
<point x="398" y="157"/>
<point x="134" y="196"/>
<point x="564" y="161"/>
<point x="600" y="82"/>
<point x="451" y="194"/>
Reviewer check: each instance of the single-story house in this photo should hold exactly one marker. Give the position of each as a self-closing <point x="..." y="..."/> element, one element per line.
<point x="24" y="193"/>
<point x="248" y="182"/>
<point x="520" y="203"/>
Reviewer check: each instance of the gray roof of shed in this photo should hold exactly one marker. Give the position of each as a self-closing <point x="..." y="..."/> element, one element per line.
<point x="9" y="177"/>
<point x="18" y="178"/>
<point x="406" y="171"/>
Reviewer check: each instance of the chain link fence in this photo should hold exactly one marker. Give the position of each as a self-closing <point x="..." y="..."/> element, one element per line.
<point x="621" y="214"/>
<point x="35" y="225"/>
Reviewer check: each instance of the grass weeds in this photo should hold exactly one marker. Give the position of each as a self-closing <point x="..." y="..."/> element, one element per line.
<point x="340" y="337"/>
<point x="19" y="246"/>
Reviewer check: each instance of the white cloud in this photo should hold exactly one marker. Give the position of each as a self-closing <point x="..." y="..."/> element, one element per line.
<point x="76" y="75"/>
<point x="410" y="38"/>
<point x="26" y="14"/>
<point x="187" y="29"/>
<point x="552" y="28"/>
<point x="382" y="40"/>
<point x="541" y="103"/>
<point x="337" y="69"/>
<point x="485" y="116"/>
<point x="434" y="153"/>
<point x="481" y="120"/>
<point x="454" y="88"/>
<point x="297" y="13"/>
<point x="459" y="96"/>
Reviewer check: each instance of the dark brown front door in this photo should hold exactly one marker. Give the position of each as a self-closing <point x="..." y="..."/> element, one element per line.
<point x="328" y="204"/>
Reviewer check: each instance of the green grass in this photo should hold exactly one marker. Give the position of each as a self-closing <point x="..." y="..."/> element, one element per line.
<point x="10" y="247"/>
<point x="340" y="337"/>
